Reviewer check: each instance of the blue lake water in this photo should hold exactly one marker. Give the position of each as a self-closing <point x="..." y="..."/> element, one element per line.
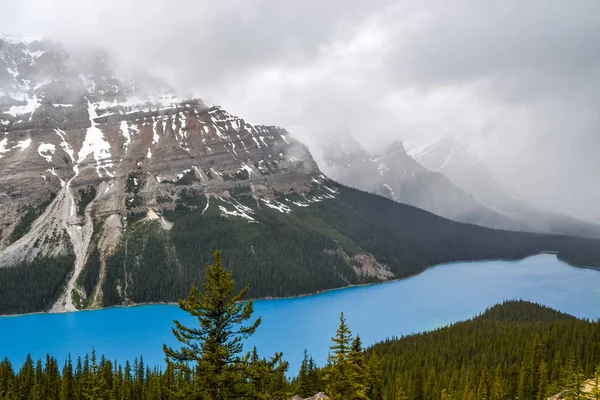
<point x="437" y="297"/>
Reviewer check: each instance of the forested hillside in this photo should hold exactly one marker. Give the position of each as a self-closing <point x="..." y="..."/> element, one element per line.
<point x="353" y="237"/>
<point x="516" y="349"/>
<point x="311" y="248"/>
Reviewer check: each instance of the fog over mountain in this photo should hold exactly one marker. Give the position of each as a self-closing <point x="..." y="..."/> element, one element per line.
<point x="517" y="81"/>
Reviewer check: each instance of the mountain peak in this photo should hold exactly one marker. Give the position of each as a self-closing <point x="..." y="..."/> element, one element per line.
<point x="441" y="154"/>
<point x="15" y="39"/>
<point x="396" y="147"/>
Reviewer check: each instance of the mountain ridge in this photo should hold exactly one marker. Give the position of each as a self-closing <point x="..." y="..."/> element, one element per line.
<point x="108" y="199"/>
<point x="462" y="165"/>
<point x="397" y="176"/>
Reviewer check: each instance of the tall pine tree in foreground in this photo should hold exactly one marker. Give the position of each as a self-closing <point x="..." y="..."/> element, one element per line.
<point x="211" y="352"/>
<point x="338" y="375"/>
<point x="348" y="376"/>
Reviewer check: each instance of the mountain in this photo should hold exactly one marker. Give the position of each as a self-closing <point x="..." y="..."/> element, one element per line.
<point x="397" y="176"/>
<point x="460" y="163"/>
<point x="111" y="195"/>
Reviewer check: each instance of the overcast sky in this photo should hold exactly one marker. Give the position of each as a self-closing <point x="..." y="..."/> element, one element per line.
<point x="517" y="80"/>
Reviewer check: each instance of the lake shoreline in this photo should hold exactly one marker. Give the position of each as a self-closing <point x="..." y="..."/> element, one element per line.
<point x="317" y="293"/>
<point x="428" y="301"/>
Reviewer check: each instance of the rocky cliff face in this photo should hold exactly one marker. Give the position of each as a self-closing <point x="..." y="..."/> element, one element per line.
<point x="79" y="146"/>
<point x="396" y="175"/>
<point x="114" y="191"/>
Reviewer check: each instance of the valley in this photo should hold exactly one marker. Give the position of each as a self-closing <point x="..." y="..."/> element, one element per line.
<point x="311" y="200"/>
<point x="112" y="198"/>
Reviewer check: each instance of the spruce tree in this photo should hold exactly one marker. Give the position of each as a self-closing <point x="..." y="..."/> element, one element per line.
<point x="542" y="385"/>
<point x="96" y="387"/>
<point x="39" y="388"/>
<point x="527" y="374"/>
<point x="374" y="378"/>
<point x="418" y="384"/>
<point x="341" y="341"/>
<point x="482" y="388"/>
<point x="338" y="377"/>
<point x="212" y="349"/>
<point x="304" y="386"/>
<point x="357" y="372"/>
<point x="67" y="384"/>
<point x="126" y="386"/>
<point x="575" y="384"/>
<point x="315" y="377"/>
<point x="400" y="389"/>
<point x="497" y="392"/>
<point x="595" y="391"/>
<point x="26" y="379"/>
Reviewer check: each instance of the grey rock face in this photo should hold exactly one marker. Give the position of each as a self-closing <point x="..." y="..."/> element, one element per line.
<point x="397" y="176"/>
<point x="459" y="163"/>
<point x="78" y="145"/>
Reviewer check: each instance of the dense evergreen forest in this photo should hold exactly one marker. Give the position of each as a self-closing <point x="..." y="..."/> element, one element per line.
<point x="514" y="350"/>
<point x="285" y="254"/>
<point x="30" y="287"/>
<point x="307" y="250"/>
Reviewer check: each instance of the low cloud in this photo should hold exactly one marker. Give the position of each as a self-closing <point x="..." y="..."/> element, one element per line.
<point x="518" y="81"/>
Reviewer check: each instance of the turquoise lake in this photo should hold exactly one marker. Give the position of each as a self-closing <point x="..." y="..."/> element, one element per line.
<point x="437" y="297"/>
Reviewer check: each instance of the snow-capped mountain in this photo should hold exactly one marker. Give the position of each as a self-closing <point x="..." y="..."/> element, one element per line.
<point x="397" y="176"/>
<point x="462" y="165"/>
<point x="81" y="152"/>
<point x="113" y="190"/>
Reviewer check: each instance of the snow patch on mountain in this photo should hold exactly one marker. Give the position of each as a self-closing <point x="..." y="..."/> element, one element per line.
<point x="46" y="150"/>
<point x="96" y="146"/>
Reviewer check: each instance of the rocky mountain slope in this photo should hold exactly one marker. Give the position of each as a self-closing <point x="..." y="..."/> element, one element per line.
<point x="460" y="163"/>
<point x="397" y="176"/>
<point x="114" y="192"/>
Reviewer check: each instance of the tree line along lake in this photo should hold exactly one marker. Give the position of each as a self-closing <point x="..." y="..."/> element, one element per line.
<point x="437" y="297"/>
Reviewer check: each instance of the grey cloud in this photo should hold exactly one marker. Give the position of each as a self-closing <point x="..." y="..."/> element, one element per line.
<point x="519" y="81"/>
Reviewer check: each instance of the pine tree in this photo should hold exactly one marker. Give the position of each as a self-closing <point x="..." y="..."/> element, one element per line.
<point x="338" y="377"/>
<point x="126" y="387"/>
<point x="39" y="388"/>
<point x="542" y="385"/>
<point x="213" y="348"/>
<point x="374" y="378"/>
<point x="527" y="374"/>
<point x="52" y="380"/>
<point x="341" y="341"/>
<point x="315" y="377"/>
<point x="67" y="384"/>
<point x="482" y="388"/>
<point x="595" y="391"/>
<point x="512" y="387"/>
<point x="556" y="374"/>
<point x="96" y="387"/>
<point x="357" y="372"/>
<point x="400" y="390"/>
<point x="7" y="377"/>
<point x="140" y="377"/>
<point x="305" y="383"/>
<point x="26" y="379"/>
<point x="497" y="392"/>
<point x="418" y="384"/>
<point x="117" y="382"/>
<point x="575" y="384"/>
<point x="567" y="371"/>
<point x="267" y="377"/>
